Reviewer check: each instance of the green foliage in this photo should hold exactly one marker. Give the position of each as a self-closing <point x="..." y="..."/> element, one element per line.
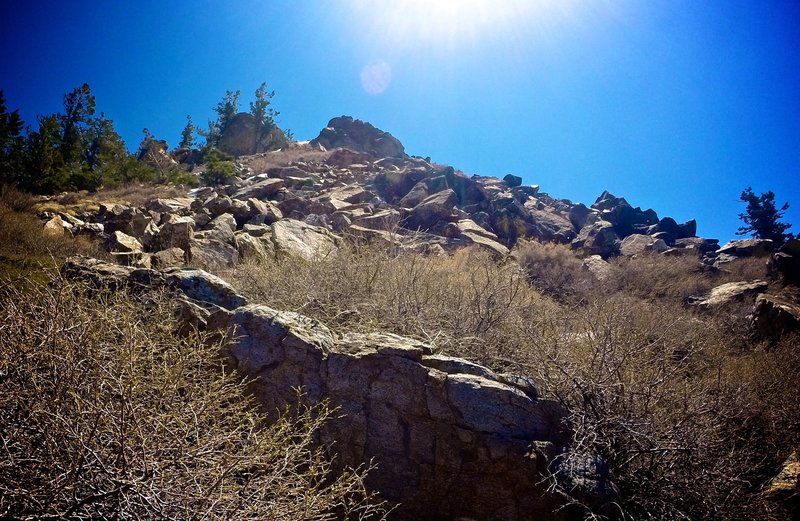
<point x="262" y="112"/>
<point x="227" y="109"/>
<point x="11" y="142"/>
<point x="218" y="173"/>
<point x="762" y="217"/>
<point x="79" y="107"/>
<point x="268" y="135"/>
<point x="187" y="134"/>
<point x="211" y="135"/>
<point x="44" y="165"/>
<point x="73" y="150"/>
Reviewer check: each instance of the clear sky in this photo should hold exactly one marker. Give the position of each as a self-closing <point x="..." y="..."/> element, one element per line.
<point x="674" y="104"/>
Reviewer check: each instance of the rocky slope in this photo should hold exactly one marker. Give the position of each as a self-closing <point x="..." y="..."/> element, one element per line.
<point x="450" y="438"/>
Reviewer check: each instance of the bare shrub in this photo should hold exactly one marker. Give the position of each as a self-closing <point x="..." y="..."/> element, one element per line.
<point x="465" y="304"/>
<point x="104" y="414"/>
<point x="657" y="393"/>
<point x="745" y="268"/>
<point x="655" y="276"/>
<point x="554" y="270"/>
<point x="13" y="199"/>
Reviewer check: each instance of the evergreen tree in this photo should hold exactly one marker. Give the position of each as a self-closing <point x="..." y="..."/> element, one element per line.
<point x="79" y="107"/>
<point x="105" y="157"/>
<point x="762" y="217"/>
<point x="261" y="110"/>
<point x="211" y="135"/>
<point x="187" y="135"/>
<point x="44" y="165"/>
<point x="227" y="109"/>
<point x="11" y="144"/>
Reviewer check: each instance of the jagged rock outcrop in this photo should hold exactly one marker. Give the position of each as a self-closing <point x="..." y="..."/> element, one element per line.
<point x="448" y="438"/>
<point x="747" y="248"/>
<point x="785" y="487"/>
<point x="346" y="132"/>
<point x="445" y="444"/>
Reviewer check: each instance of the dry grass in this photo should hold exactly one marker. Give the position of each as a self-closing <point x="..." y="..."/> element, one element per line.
<point x="25" y="249"/>
<point x="260" y="163"/>
<point x="105" y="414"/>
<point x="135" y="194"/>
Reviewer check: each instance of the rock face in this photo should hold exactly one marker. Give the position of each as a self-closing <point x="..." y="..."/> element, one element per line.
<point x="346" y="132"/>
<point x="785" y="263"/>
<point x="448" y="437"/>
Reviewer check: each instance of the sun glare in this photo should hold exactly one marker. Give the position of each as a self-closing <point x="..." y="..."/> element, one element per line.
<point x="450" y="23"/>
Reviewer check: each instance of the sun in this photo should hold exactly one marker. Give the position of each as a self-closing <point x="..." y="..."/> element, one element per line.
<point x="446" y="23"/>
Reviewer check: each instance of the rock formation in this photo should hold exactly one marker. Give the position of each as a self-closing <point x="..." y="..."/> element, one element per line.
<point x="346" y="132"/>
<point x="448" y="438"/>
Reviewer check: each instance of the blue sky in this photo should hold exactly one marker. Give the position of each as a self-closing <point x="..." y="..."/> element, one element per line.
<point x="676" y="105"/>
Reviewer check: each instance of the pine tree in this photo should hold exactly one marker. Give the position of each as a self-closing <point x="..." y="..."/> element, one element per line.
<point x="227" y="109"/>
<point x="11" y="144"/>
<point x="187" y="135"/>
<point x="762" y="217"/>
<point x="79" y="107"/>
<point x="261" y="110"/>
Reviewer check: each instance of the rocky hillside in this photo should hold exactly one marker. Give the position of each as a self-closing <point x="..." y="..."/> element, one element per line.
<point x="449" y="438"/>
<point x="362" y="184"/>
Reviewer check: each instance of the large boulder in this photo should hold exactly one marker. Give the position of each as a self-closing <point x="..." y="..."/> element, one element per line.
<point x="120" y="242"/>
<point x="243" y="136"/>
<point x="262" y="188"/>
<point x="774" y="315"/>
<point x="599" y="238"/>
<point x="636" y="243"/>
<point x="205" y="287"/>
<point x="346" y="132"/>
<point x="393" y="185"/>
<point x="292" y="237"/>
<point x="747" y="248"/>
<point x="728" y="293"/>
<point x="435" y="208"/>
<point x="448" y="438"/>
<point x="547" y="225"/>
<point x="176" y="232"/>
